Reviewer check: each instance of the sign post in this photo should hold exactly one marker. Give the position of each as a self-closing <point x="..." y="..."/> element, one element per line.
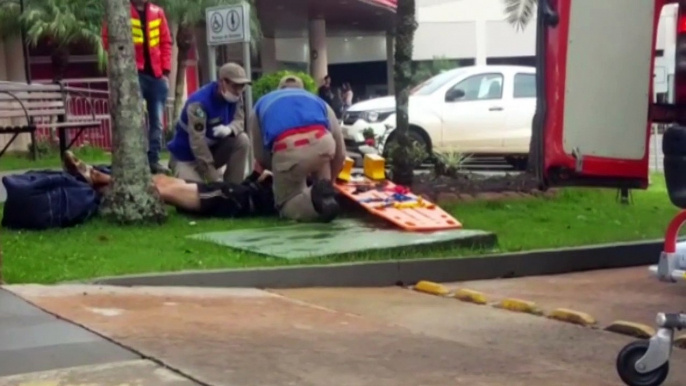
<point x="228" y="24"/>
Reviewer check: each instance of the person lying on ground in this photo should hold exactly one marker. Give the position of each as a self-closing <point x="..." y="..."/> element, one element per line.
<point x="252" y="197"/>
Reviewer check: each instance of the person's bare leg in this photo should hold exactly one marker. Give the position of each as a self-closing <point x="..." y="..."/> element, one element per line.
<point x="76" y="167"/>
<point x="177" y="192"/>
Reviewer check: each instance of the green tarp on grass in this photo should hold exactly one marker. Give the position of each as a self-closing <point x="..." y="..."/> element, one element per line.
<point x="343" y="236"/>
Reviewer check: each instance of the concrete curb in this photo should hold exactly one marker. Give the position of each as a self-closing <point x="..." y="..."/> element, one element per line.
<point x="408" y="272"/>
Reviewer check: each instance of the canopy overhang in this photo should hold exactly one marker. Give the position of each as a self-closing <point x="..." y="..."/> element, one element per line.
<point x="342" y="16"/>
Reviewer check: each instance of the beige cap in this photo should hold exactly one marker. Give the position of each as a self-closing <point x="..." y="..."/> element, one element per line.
<point x="291" y="79"/>
<point x="235" y="73"/>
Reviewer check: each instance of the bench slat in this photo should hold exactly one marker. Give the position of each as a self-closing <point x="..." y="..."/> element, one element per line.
<point x="22" y="96"/>
<point x="31" y="113"/>
<point x="30" y="105"/>
<point x="73" y="124"/>
<point x="11" y="86"/>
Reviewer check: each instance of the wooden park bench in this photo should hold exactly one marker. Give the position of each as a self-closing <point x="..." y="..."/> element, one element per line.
<point x="41" y="105"/>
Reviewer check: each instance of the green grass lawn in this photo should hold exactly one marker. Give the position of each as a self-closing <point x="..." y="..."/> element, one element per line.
<point x="50" y="159"/>
<point x="575" y="217"/>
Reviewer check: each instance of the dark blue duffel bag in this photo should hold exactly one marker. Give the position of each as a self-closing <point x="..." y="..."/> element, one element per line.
<point x="47" y="199"/>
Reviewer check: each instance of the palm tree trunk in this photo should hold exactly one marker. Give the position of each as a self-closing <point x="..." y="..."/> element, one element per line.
<point x="132" y="197"/>
<point x="2" y="278"/>
<point x="402" y="165"/>
<point x="184" y="42"/>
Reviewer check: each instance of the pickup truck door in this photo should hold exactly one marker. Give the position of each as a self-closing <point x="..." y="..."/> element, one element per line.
<point x="594" y="90"/>
<point x="474" y="121"/>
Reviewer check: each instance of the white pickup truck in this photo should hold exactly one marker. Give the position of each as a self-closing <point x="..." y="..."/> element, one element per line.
<point x="478" y="110"/>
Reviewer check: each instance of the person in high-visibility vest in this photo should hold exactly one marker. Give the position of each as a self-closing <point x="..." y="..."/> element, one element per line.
<point x="153" y="44"/>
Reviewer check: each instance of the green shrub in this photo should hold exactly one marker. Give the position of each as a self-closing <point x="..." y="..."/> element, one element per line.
<point x="269" y="82"/>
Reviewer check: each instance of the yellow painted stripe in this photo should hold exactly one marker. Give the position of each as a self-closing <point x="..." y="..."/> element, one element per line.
<point x="154" y="33"/>
<point x="137" y="32"/>
<point x="154" y="42"/>
<point x="135" y="22"/>
<point x="155" y="23"/>
<point x="137" y="40"/>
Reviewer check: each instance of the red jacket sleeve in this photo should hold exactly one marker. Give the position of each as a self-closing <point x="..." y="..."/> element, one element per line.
<point x="105" y="42"/>
<point x="166" y="45"/>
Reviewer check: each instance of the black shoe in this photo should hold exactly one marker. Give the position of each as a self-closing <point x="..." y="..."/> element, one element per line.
<point x="158" y="168"/>
<point x="324" y="200"/>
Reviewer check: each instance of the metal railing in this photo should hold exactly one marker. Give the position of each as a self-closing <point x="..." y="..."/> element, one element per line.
<point x="88" y="98"/>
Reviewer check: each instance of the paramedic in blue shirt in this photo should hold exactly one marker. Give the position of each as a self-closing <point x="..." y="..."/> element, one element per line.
<point x="296" y="135"/>
<point x="210" y="133"/>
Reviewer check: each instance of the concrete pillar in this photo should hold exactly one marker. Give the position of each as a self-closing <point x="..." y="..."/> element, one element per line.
<point x="319" y="61"/>
<point x="481" y="52"/>
<point x="268" y="60"/>
<point x="15" y="59"/>
<point x="390" y="59"/>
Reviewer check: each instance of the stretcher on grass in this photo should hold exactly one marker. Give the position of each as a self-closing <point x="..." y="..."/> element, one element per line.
<point x="391" y="202"/>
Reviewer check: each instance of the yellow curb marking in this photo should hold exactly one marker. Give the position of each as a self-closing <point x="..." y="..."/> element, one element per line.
<point x="518" y="305"/>
<point x="637" y="330"/>
<point x="471" y="296"/>
<point x="680" y="342"/>
<point x="574" y="317"/>
<point x="432" y="288"/>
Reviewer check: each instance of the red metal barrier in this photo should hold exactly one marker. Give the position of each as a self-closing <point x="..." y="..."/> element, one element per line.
<point x="87" y="98"/>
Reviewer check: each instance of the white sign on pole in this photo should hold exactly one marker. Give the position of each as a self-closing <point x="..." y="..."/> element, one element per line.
<point x="228" y="24"/>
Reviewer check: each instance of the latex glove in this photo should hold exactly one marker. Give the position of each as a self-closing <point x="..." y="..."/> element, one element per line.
<point x="222" y="131"/>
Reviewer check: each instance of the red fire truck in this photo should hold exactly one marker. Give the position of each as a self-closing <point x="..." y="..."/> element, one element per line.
<point x="593" y="122"/>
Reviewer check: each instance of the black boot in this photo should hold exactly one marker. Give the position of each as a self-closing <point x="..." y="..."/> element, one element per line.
<point x="158" y="168"/>
<point x="324" y="200"/>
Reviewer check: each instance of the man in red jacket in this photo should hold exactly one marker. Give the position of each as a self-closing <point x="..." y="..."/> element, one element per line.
<point x="153" y="45"/>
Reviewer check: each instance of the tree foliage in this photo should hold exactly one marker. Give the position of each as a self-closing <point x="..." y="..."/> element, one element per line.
<point x="268" y="83"/>
<point x="60" y="23"/>
<point x="520" y="12"/>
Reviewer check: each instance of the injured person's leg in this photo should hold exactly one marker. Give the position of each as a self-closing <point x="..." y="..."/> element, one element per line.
<point x="252" y="197"/>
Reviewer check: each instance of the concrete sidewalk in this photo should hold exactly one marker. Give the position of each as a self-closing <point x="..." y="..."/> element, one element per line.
<point x="352" y="337"/>
<point x="37" y="348"/>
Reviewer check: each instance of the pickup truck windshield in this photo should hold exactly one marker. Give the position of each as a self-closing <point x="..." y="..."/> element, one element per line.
<point x="438" y="81"/>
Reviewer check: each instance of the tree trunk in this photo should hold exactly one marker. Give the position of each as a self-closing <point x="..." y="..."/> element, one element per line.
<point x="184" y="42"/>
<point x="402" y="165"/>
<point x="2" y="278"/>
<point x="59" y="59"/>
<point x="132" y="198"/>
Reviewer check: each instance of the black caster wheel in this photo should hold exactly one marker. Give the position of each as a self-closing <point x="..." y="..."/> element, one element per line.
<point x="626" y="366"/>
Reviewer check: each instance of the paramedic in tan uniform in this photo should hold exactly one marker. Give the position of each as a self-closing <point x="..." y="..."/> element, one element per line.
<point x="210" y="132"/>
<point x="296" y="135"/>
